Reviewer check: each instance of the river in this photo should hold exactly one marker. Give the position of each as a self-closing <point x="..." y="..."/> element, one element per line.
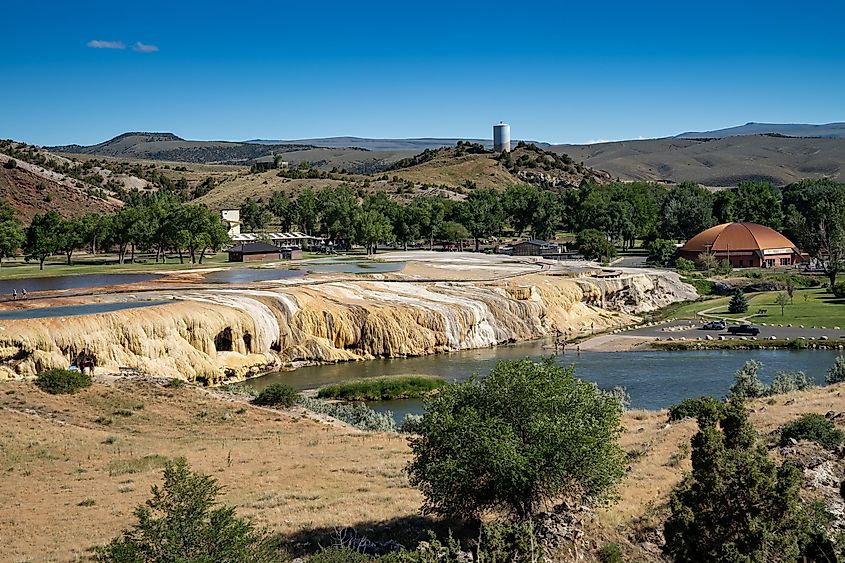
<point x="654" y="379"/>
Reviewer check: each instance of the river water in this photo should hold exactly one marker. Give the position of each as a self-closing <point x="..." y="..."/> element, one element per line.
<point x="81" y="281"/>
<point x="76" y="310"/>
<point x="654" y="379"/>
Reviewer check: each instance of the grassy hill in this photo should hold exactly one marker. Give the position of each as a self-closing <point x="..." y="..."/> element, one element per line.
<point x="715" y="162"/>
<point x="470" y="165"/>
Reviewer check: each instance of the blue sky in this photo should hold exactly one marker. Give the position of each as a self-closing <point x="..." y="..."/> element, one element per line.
<point x="556" y="71"/>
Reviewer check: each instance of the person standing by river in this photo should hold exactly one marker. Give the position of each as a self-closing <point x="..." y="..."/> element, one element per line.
<point x="14" y="295"/>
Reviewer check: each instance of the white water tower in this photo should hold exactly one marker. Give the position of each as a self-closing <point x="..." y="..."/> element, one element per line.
<point x="501" y="137"/>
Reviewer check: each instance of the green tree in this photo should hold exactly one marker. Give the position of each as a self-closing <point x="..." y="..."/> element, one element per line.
<point x="519" y="204"/>
<point x="736" y="505"/>
<point x="783" y="301"/>
<point x="305" y="210"/>
<point x="723" y="206"/>
<point x="430" y="212"/>
<point x="594" y="245"/>
<point x="43" y="236"/>
<point x="687" y="210"/>
<point x="482" y="214"/>
<point x="661" y="251"/>
<point x="12" y="236"/>
<point x="814" y="217"/>
<point x="70" y="237"/>
<point x="183" y="522"/>
<point x="525" y="435"/>
<point x="339" y="213"/>
<point x="283" y="208"/>
<point x="254" y="216"/>
<point x="451" y="231"/>
<point x="759" y="202"/>
<point x="372" y="227"/>
<point x="738" y="303"/>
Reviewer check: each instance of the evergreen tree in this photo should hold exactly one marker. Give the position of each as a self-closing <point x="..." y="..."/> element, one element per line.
<point x="739" y="303"/>
<point x="737" y="505"/>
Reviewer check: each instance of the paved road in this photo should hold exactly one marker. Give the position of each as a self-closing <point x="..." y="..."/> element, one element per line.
<point x="663" y="331"/>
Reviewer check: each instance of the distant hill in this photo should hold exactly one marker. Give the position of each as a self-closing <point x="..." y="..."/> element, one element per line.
<point x="715" y="162"/>
<point x="419" y="144"/>
<point x="167" y="146"/>
<point x="827" y="131"/>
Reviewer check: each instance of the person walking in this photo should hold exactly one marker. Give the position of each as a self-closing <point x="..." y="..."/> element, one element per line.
<point x="23" y="292"/>
<point x="14" y="295"/>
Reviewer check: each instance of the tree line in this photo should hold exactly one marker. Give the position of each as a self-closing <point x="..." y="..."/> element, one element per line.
<point x="605" y="217"/>
<point x="155" y="222"/>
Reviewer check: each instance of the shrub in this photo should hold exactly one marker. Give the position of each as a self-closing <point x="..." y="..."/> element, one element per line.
<point x="183" y="522"/>
<point x="527" y="433"/>
<point x="62" y="381"/>
<point x="838" y="290"/>
<point x="660" y="251"/>
<point x="739" y="303"/>
<point x="241" y="389"/>
<point x="11" y="163"/>
<point x="748" y="384"/>
<point x="701" y="285"/>
<point x="733" y="481"/>
<point x="176" y="383"/>
<point x="786" y="382"/>
<point x="411" y="424"/>
<point x="723" y="268"/>
<point x="695" y="407"/>
<point x="358" y="415"/>
<point x="338" y="555"/>
<point x="594" y="245"/>
<point x="611" y="553"/>
<point x="836" y="373"/>
<point x="813" y="427"/>
<point x="277" y="395"/>
<point x="382" y="388"/>
<point x="684" y="265"/>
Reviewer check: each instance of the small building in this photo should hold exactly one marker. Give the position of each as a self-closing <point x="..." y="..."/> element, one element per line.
<point x="298" y="239"/>
<point x="533" y="247"/>
<point x="254" y="252"/>
<point x="269" y="162"/>
<point x="232" y="219"/>
<point x="743" y="245"/>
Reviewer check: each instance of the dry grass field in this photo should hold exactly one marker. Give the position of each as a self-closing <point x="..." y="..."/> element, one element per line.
<point x="74" y="466"/>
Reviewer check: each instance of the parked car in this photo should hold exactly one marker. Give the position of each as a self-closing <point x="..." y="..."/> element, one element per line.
<point x="714" y="325"/>
<point x="744" y="329"/>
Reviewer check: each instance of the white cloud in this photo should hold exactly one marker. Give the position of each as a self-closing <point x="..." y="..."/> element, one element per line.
<point x="143" y="48"/>
<point x="97" y="44"/>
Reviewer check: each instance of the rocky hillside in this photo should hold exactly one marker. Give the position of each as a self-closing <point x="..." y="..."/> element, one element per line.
<point x="32" y="189"/>
<point x="471" y="165"/>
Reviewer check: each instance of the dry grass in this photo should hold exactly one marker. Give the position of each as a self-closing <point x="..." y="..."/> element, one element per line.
<point x="70" y="482"/>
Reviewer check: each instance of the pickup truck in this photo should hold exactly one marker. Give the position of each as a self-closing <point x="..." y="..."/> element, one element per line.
<point x="744" y="329"/>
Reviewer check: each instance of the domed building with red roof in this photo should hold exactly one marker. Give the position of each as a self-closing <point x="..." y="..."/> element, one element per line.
<point x="743" y="245"/>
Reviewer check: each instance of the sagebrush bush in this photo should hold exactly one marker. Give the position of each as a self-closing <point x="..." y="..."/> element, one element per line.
<point x="836" y="373"/>
<point x="786" y="382"/>
<point x="694" y="407"/>
<point x="358" y="415"/>
<point x="411" y="424"/>
<point x="814" y="428"/>
<point x="277" y="395"/>
<point x="62" y="381"/>
<point x="748" y="384"/>
<point x="611" y="553"/>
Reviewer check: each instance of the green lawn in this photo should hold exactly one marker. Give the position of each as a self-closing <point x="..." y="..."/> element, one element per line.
<point x="107" y="264"/>
<point x="810" y="307"/>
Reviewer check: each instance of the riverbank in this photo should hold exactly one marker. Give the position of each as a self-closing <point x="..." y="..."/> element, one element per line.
<point x="298" y="477"/>
<point x="216" y="335"/>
